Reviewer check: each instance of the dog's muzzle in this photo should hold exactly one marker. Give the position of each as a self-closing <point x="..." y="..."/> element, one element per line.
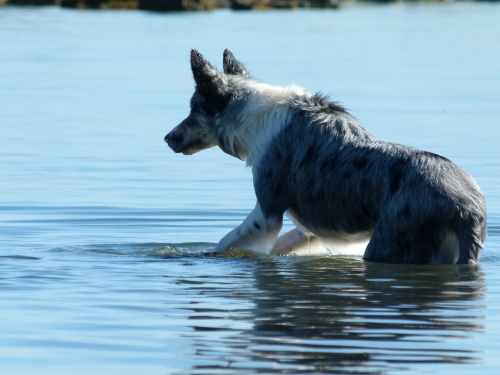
<point x="173" y="140"/>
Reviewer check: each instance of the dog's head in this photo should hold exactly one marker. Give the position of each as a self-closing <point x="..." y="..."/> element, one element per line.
<point x="212" y="93"/>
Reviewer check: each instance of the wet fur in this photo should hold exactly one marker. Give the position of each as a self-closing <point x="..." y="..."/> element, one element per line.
<point x="337" y="182"/>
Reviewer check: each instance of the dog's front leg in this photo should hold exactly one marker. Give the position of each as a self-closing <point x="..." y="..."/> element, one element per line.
<point x="257" y="233"/>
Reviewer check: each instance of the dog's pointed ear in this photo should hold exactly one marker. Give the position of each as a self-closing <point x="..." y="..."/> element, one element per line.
<point x="233" y="66"/>
<point x="209" y="81"/>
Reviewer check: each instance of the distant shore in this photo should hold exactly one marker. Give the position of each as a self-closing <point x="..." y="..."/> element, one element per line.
<point x="197" y="5"/>
<point x="179" y="5"/>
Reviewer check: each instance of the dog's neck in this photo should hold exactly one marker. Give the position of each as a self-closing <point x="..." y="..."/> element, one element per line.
<point x="247" y="125"/>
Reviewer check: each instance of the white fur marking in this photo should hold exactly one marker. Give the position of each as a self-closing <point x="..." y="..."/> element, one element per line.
<point x="256" y="233"/>
<point x="340" y="246"/>
<point x="296" y="242"/>
<point x="265" y="113"/>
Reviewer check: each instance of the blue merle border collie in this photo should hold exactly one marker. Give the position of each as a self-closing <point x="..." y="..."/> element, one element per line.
<point x="345" y="190"/>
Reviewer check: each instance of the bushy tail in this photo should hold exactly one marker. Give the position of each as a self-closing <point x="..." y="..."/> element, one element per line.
<point x="474" y="233"/>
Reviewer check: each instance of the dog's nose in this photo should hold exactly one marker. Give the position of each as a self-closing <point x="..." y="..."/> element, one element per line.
<point x="173" y="137"/>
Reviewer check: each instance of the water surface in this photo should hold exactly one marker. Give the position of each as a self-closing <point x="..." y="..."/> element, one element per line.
<point x="106" y="259"/>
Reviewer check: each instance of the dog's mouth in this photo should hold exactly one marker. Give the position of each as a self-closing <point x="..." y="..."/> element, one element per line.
<point x="189" y="149"/>
<point x="193" y="149"/>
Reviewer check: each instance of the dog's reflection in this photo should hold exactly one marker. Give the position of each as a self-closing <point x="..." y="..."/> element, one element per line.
<point x="336" y="314"/>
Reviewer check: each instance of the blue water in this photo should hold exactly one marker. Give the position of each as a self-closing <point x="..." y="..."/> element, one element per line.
<point x="106" y="235"/>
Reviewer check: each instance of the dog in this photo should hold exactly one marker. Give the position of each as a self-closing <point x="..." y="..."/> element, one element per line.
<point x="345" y="190"/>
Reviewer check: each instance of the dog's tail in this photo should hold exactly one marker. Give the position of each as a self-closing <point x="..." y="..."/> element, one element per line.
<point x="473" y="234"/>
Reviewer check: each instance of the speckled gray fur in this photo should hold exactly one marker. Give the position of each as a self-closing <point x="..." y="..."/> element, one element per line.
<point x="331" y="174"/>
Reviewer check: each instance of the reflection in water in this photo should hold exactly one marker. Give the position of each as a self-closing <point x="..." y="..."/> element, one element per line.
<point x="335" y="315"/>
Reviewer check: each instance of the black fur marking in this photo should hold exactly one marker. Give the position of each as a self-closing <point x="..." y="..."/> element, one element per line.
<point x="397" y="172"/>
<point x="209" y="82"/>
<point x="406" y="210"/>
<point x="309" y="156"/>
<point x="321" y="103"/>
<point x="233" y="66"/>
<point x="363" y="222"/>
<point x="428" y="237"/>
<point x="360" y="163"/>
<point x="347" y="174"/>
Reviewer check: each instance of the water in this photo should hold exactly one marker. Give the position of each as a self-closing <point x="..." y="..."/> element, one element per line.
<point x="106" y="235"/>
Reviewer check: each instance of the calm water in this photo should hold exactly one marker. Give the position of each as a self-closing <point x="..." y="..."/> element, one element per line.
<point x="106" y="235"/>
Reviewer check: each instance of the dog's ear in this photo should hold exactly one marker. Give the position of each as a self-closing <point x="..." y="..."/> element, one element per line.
<point x="233" y="66"/>
<point x="209" y="81"/>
